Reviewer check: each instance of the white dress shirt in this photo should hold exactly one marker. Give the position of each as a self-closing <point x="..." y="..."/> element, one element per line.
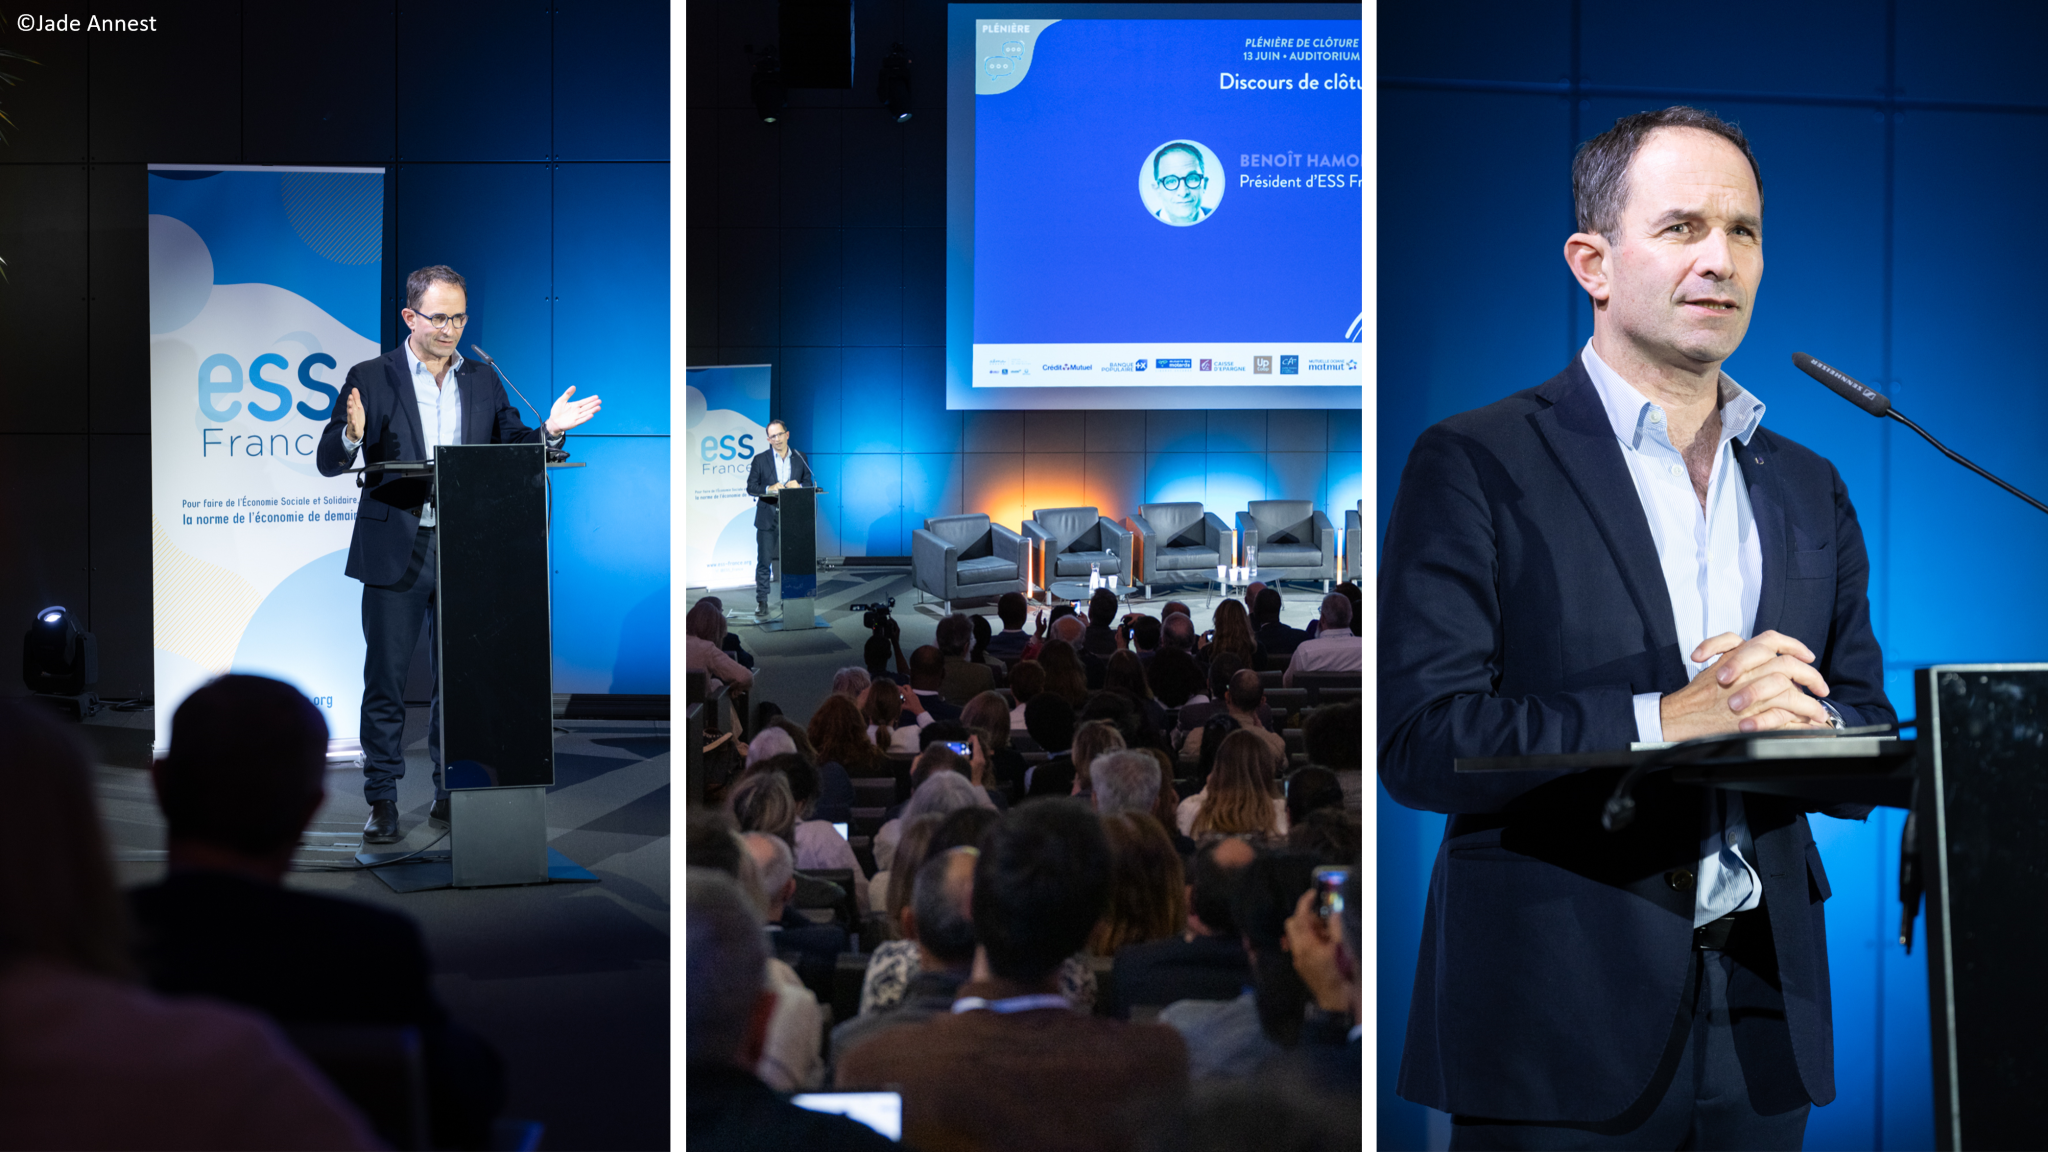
<point x="1713" y="570"/>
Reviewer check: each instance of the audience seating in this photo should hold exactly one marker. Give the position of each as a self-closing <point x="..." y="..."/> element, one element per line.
<point x="868" y="821"/>
<point x="1271" y="678"/>
<point x="847" y="979"/>
<point x="840" y="900"/>
<point x="381" y="1068"/>
<point x="1074" y="538"/>
<point x="956" y="557"/>
<point x="1285" y="702"/>
<point x="1178" y="543"/>
<point x="873" y="791"/>
<point x="1295" y="541"/>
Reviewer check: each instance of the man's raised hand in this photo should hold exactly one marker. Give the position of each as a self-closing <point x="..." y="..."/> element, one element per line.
<point x="1757" y="685"/>
<point x="567" y="414"/>
<point x="356" y="419"/>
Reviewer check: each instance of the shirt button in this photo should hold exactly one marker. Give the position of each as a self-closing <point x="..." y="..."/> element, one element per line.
<point x="1680" y="879"/>
<point x="1656" y="417"/>
<point x="1676" y="470"/>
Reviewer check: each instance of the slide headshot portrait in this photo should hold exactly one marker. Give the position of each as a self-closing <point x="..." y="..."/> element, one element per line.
<point x="1181" y="183"/>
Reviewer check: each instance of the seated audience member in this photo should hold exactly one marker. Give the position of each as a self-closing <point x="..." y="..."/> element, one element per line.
<point x="927" y="676"/>
<point x="1124" y="780"/>
<point x="1231" y="634"/>
<point x="1243" y="700"/>
<point x="88" y="1059"/>
<point x="769" y="742"/>
<point x="1147" y="886"/>
<point x="1009" y="644"/>
<point x="960" y="678"/>
<point x="1356" y="595"/>
<point x="728" y="1009"/>
<point x="1311" y="788"/>
<point x="1125" y="673"/>
<point x="1014" y="1066"/>
<point x="839" y="736"/>
<point x="988" y="718"/>
<point x="1232" y="1038"/>
<point x="1050" y="721"/>
<point x="1334" y="648"/>
<point x="765" y="712"/>
<point x="983" y="635"/>
<point x="874" y="657"/>
<point x="1240" y="798"/>
<point x="792" y="1056"/>
<point x="883" y="706"/>
<point x="975" y="764"/>
<point x="1092" y="739"/>
<point x="1333" y="736"/>
<point x="800" y="740"/>
<point x="1145" y="634"/>
<point x="1276" y="639"/>
<point x="245" y="773"/>
<point x="1323" y="952"/>
<point x="1100" y="637"/>
<point x="850" y="682"/>
<point x="891" y="888"/>
<point x="1065" y="674"/>
<point x="942" y="786"/>
<point x="939" y="922"/>
<point x="812" y="949"/>
<point x="1177" y="629"/>
<point x="764" y="801"/>
<point x="1176" y="681"/>
<point x="817" y="843"/>
<point x="1206" y="961"/>
<point x="1329" y="833"/>
<point x="1027" y="680"/>
<point x="704" y="630"/>
<point x="1167" y="802"/>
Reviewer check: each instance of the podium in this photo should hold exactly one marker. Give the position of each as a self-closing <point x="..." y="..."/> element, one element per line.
<point x="796" y="562"/>
<point x="1975" y="786"/>
<point x="496" y="662"/>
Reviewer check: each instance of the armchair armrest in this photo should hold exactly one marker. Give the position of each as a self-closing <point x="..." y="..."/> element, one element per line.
<point x="1012" y="547"/>
<point x="1247" y="531"/>
<point x="1116" y="538"/>
<point x="1326" y="539"/>
<point x="1147" y="539"/>
<point x="933" y="559"/>
<point x="1213" y="529"/>
<point x="1035" y="531"/>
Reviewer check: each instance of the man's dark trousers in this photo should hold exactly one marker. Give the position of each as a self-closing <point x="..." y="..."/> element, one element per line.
<point x="767" y="552"/>
<point x="392" y="617"/>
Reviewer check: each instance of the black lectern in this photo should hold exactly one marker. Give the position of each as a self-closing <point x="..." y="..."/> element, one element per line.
<point x="496" y="662"/>
<point x="797" y="565"/>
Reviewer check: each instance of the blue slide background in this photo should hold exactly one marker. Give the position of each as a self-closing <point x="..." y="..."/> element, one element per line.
<point x="1065" y="250"/>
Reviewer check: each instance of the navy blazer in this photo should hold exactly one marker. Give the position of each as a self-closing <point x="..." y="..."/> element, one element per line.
<point x="1521" y="608"/>
<point x="381" y="548"/>
<point x="761" y="473"/>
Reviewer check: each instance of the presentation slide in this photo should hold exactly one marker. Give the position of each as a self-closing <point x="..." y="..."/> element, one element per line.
<point x="1154" y="206"/>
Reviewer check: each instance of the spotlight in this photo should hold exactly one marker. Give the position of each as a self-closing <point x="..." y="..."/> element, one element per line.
<point x="60" y="659"/>
<point x="770" y="93"/>
<point x="892" y="88"/>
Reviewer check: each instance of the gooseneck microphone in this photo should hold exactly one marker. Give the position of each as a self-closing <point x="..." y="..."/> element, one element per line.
<point x="555" y="455"/>
<point x="1878" y="404"/>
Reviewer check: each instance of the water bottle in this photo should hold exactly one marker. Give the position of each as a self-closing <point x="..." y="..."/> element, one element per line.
<point x="1251" y="561"/>
<point x="1094" y="575"/>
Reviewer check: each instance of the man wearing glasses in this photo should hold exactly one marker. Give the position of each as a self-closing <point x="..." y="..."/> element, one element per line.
<point x="400" y="406"/>
<point x="1178" y="179"/>
<point x="771" y="472"/>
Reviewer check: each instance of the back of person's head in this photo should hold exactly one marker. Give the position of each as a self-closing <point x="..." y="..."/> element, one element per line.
<point x="1068" y="629"/>
<point x="706" y="622"/>
<point x="1356" y="595"/>
<point x="1147" y="890"/>
<point x="1264" y="896"/>
<point x="1334" y="737"/>
<point x="1064" y="675"/>
<point x="774" y="864"/>
<point x="875" y="653"/>
<point x="1174" y="676"/>
<point x="769" y="742"/>
<point x="1125" y="781"/>
<point x="728" y="963"/>
<point x="850" y="682"/>
<point x="1091" y="740"/>
<point x="1027" y="680"/>
<point x="935" y="756"/>
<point x="709" y="841"/>
<point x="1050" y="720"/>
<point x="1102" y="608"/>
<point x="927" y="667"/>
<point x="1221" y="669"/>
<point x="1177" y="631"/>
<point x="58" y="901"/>
<point x="1011" y="607"/>
<point x="804" y="785"/>
<point x="885" y="707"/>
<point x="1040" y="885"/>
<point x="763" y="803"/>
<point x="1118" y="709"/>
<point x="1238" y="798"/>
<point x="247" y="765"/>
<point x="1267" y="608"/>
<point x="942" y="732"/>
<point x="838" y="732"/>
<point x="1167" y="803"/>
<point x="942" y="899"/>
<point x="1145" y="633"/>
<point x="1245" y="692"/>
<point x="954" y="635"/>
<point x="765" y="713"/>
<point x="1215" y="730"/>
<point x="1312" y="788"/>
<point x="797" y="737"/>
<point x="1328" y="834"/>
<point x="982" y="634"/>
<point x="913" y="846"/>
<point x="963" y="828"/>
<point x="1126" y="673"/>
<point x="1214" y="880"/>
<point x="1336" y="613"/>
<point x="942" y="792"/>
<point x="988" y="715"/>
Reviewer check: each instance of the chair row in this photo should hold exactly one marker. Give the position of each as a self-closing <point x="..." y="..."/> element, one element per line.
<point x="961" y="557"/>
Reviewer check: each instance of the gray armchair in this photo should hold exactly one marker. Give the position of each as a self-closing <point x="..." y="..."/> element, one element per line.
<point x="1354" y="518"/>
<point x="958" y="557"/>
<point x="1074" y="538"/>
<point x="1295" y="541"/>
<point x="1178" y="543"/>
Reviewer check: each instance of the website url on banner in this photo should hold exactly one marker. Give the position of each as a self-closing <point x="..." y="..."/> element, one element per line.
<point x="31" y="22"/>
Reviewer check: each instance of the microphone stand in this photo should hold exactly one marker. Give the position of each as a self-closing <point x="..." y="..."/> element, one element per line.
<point x="555" y="455"/>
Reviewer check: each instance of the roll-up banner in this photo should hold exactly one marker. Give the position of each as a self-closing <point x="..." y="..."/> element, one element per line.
<point x="728" y="424"/>
<point x="263" y="292"/>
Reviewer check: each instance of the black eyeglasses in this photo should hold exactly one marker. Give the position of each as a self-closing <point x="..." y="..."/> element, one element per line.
<point x="441" y="320"/>
<point x="1193" y="180"/>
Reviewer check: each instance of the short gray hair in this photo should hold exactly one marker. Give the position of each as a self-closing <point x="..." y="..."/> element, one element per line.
<point x="1600" y="170"/>
<point x="727" y="961"/>
<point x="850" y="682"/>
<point x="773" y="741"/>
<point x="941" y="793"/>
<point x="1075" y="633"/>
<point x="1336" y="611"/>
<point x="780" y="868"/>
<point x="1124" y="781"/>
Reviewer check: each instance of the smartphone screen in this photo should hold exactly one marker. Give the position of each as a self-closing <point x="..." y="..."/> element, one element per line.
<point x="882" y="1111"/>
<point x="841" y="829"/>
<point x="961" y="747"/>
<point x="1330" y="891"/>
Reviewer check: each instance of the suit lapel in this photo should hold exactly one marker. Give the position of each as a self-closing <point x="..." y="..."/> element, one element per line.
<point x="1767" y="507"/>
<point x="403" y="398"/>
<point x="1578" y="432"/>
<point x="471" y="384"/>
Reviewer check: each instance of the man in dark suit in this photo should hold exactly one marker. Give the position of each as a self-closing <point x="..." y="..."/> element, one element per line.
<point x="780" y="467"/>
<point x="1276" y="639"/>
<point x="244" y="774"/>
<point x="1623" y="554"/>
<point x="401" y="406"/>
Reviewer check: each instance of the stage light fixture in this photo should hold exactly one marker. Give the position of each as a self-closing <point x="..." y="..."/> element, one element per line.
<point x="770" y="93"/>
<point x="892" y="87"/>
<point x="58" y="658"/>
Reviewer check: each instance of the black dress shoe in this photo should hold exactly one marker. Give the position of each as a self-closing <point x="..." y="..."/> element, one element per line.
<point x="439" y="812"/>
<point x="761" y="609"/>
<point x="382" y="826"/>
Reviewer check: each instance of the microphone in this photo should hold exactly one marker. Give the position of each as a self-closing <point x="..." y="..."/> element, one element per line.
<point x="807" y="464"/>
<point x="1877" y="404"/>
<point x="555" y="455"/>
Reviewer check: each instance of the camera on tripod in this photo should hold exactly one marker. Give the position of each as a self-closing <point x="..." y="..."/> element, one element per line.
<point x="876" y="617"/>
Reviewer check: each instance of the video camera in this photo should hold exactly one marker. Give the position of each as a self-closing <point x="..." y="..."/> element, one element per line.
<point x="876" y="617"/>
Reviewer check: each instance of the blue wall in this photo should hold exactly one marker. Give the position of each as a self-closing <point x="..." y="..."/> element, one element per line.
<point x="1903" y="147"/>
<point x="816" y="245"/>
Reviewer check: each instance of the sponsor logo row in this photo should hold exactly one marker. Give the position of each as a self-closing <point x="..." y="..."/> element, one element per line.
<point x="1259" y="366"/>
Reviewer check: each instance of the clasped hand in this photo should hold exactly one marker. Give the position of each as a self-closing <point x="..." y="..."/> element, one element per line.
<point x="1757" y="685"/>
